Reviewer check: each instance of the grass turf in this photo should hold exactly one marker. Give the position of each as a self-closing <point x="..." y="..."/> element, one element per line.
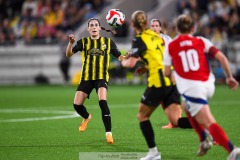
<point x="59" y="139"/>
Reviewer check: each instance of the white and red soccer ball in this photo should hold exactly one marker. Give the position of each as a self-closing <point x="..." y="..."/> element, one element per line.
<point x="115" y="18"/>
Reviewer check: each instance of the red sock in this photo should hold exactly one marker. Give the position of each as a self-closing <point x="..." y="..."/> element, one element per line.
<point x="220" y="136"/>
<point x="197" y="127"/>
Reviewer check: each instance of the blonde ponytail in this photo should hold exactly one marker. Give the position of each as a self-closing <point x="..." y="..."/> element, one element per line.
<point x="139" y="19"/>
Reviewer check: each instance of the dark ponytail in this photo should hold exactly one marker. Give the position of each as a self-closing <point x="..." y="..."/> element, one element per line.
<point x="109" y="30"/>
<point x="102" y="28"/>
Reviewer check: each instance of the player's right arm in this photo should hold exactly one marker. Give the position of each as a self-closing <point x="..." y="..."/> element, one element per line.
<point x="138" y="47"/>
<point x="69" y="51"/>
<point x="167" y="60"/>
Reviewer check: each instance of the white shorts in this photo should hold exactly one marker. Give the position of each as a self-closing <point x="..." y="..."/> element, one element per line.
<point x="195" y="93"/>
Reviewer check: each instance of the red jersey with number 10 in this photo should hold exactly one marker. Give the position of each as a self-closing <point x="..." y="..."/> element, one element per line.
<point x="189" y="56"/>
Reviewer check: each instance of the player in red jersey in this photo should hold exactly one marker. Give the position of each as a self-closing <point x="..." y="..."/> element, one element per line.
<point x="195" y="82"/>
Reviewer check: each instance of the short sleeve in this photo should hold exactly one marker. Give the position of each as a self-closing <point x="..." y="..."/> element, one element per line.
<point x="78" y="46"/>
<point x="209" y="48"/>
<point x="138" y="47"/>
<point x="114" y="50"/>
<point x="167" y="59"/>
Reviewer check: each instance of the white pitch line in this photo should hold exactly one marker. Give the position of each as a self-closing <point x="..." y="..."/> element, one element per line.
<point x="35" y="111"/>
<point x="95" y="106"/>
<point x="39" y="118"/>
<point x="72" y="114"/>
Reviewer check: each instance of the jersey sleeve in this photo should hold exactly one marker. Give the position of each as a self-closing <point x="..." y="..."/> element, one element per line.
<point x="114" y="50"/>
<point x="138" y="47"/>
<point x="210" y="48"/>
<point x="166" y="38"/>
<point x="78" y="46"/>
<point x="167" y="59"/>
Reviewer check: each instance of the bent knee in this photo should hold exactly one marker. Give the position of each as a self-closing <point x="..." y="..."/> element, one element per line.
<point x="142" y="117"/>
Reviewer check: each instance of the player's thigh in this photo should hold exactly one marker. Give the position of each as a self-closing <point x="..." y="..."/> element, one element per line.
<point x="205" y="117"/>
<point x="173" y="110"/>
<point x="144" y="112"/>
<point x="172" y="97"/>
<point x="195" y="98"/>
<point x="80" y="97"/>
<point x="83" y="91"/>
<point x="101" y="87"/>
<point x="153" y="96"/>
<point x="102" y="93"/>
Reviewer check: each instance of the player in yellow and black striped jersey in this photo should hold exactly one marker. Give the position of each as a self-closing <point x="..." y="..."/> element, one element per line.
<point x="173" y="112"/>
<point x="95" y="51"/>
<point x="149" y="47"/>
<point x="95" y="57"/>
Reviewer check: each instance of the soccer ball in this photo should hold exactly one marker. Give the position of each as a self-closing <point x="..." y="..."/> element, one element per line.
<point x="115" y="18"/>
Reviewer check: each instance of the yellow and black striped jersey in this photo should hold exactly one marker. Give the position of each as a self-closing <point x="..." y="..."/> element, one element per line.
<point x="96" y="57"/>
<point x="150" y="47"/>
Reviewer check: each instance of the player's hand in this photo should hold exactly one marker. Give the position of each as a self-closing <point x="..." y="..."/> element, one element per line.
<point x="141" y="70"/>
<point x="71" y="38"/>
<point x="172" y="78"/>
<point x="232" y="83"/>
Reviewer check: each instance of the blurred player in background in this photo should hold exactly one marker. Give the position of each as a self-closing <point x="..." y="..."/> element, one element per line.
<point x="64" y="63"/>
<point x="173" y="111"/>
<point x="149" y="46"/>
<point x="195" y="82"/>
<point x="95" y="51"/>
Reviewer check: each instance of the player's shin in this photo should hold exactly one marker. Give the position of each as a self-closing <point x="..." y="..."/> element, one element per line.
<point x="81" y="110"/>
<point x="105" y="115"/>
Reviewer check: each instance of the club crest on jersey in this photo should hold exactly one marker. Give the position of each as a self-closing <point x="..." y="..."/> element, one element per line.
<point x="95" y="52"/>
<point x="104" y="46"/>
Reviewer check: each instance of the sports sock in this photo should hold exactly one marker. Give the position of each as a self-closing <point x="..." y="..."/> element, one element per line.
<point x="183" y="122"/>
<point x="81" y="110"/>
<point x="153" y="150"/>
<point x="106" y="118"/>
<point x="220" y="136"/>
<point x="198" y="128"/>
<point x="148" y="133"/>
<point x="108" y="133"/>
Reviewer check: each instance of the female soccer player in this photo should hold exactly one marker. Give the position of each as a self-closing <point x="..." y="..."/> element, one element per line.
<point x="149" y="46"/>
<point x="195" y="82"/>
<point x="173" y="111"/>
<point x="95" y="52"/>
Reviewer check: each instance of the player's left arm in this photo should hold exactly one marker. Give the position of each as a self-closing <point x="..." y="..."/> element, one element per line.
<point x="115" y="51"/>
<point x="230" y="80"/>
<point x="217" y="54"/>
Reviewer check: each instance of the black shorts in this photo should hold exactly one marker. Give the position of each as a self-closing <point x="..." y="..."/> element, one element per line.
<point x="164" y="95"/>
<point x="88" y="86"/>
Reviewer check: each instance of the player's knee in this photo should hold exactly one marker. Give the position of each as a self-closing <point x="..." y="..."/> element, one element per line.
<point x="142" y="117"/>
<point x="174" y="121"/>
<point x="104" y="107"/>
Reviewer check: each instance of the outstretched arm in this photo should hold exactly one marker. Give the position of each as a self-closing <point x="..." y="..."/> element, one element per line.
<point x="69" y="51"/>
<point x="128" y="61"/>
<point x="231" y="82"/>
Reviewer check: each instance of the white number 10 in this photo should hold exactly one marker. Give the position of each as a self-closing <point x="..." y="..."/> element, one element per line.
<point x="189" y="60"/>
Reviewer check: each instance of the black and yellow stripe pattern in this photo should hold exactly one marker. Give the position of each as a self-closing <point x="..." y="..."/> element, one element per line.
<point x="95" y="57"/>
<point x="151" y="48"/>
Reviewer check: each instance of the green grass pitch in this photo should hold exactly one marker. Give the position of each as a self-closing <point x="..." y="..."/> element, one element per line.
<point x="37" y="123"/>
